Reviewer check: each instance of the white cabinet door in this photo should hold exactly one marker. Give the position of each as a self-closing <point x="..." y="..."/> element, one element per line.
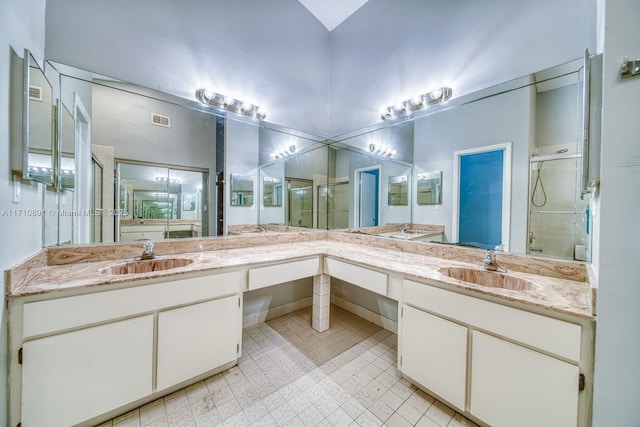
<point x="72" y="377"/>
<point x="515" y="386"/>
<point x="434" y="353"/>
<point x="195" y="339"/>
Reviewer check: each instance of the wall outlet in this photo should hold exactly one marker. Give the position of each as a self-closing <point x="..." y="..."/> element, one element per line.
<point x="16" y="189"/>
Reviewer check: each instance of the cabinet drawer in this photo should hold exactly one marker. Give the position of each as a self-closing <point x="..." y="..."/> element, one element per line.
<point x="552" y="335"/>
<point x="281" y="273"/>
<point x="359" y="276"/>
<point x="44" y="317"/>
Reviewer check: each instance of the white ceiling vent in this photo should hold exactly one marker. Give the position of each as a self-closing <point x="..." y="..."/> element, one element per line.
<point x="160" y="120"/>
<point x="35" y="93"/>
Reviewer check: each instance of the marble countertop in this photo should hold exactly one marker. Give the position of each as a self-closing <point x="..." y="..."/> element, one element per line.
<point x="557" y="294"/>
<point x="409" y="235"/>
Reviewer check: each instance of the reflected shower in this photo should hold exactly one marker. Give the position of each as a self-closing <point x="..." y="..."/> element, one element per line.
<point x="539" y="184"/>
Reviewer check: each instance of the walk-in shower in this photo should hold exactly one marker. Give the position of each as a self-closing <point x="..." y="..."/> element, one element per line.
<point x="558" y="216"/>
<point x="299" y="202"/>
<point x="333" y="206"/>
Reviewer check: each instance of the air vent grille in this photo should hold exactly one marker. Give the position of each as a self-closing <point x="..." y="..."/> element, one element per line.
<point x="35" y="93"/>
<point x="160" y="120"/>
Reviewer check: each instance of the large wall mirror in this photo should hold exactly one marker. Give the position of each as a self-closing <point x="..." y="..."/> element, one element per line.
<point x="349" y="181"/>
<point x="293" y="166"/>
<point x="160" y="202"/>
<point x="367" y="170"/>
<point x="33" y="124"/>
<point x="429" y="188"/>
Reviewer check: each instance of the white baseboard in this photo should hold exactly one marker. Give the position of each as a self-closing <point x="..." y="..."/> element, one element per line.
<point x="378" y="319"/>
<point x="272" y="313"/>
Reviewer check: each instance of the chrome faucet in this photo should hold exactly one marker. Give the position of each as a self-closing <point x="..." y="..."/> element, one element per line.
<point x="261" y="228"/>
<point x="148" y="250"/>
<point x="490" y="263"/>
<point x="405" y="228"/>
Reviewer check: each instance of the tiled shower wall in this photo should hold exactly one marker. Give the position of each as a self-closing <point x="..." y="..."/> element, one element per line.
<point x="558" y="228"/>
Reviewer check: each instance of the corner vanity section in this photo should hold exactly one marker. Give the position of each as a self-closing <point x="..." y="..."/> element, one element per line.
<point x="90" y="346"/>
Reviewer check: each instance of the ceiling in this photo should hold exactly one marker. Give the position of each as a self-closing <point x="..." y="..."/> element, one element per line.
<point x="332" y="12"/>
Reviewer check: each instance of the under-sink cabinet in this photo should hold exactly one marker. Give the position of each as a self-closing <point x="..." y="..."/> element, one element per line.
<point x="434" y="354"/>
<point x="514" y="385"/>
<point x="194" y="339"/>
<point x="87" y="357"/>
<point x="499" y="365"/>
<point x="71" y="377"/>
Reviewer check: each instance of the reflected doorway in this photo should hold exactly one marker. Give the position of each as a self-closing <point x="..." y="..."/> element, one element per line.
<point x="367" y="196"/>
<point x="299" y="202"/>
<point x="96" y="200"/>
<point x="482" y="182"/>
<point x="159" y="202"/>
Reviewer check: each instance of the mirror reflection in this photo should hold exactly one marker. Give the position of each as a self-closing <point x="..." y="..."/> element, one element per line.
<point x="67" y="149"/>
<point x="271" y="191"/>
<point x="303" y="180"/>
<point x="241" y="190"/>
<point x="429" y="188"/>
<point x="398" y="190"/>
<point x="365" y="168"/>
<point x="38" y="157"/>
<point x="160" y="202"/>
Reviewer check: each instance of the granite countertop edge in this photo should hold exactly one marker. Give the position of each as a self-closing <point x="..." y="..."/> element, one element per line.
<point x="556" y="295"/>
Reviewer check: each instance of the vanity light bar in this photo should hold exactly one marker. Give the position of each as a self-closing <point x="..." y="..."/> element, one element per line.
<point x="381" y="150"/>
<point x="420" y="102"/>
<point x="228" y="103"/>
<point x="289" y="151"/>
<point x="165" y="179"/>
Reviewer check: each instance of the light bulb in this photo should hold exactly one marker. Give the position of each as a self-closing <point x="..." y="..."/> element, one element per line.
<point x="435" y="94"/>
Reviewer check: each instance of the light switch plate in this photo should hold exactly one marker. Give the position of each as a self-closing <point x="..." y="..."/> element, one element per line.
<point x="16" y="189"/>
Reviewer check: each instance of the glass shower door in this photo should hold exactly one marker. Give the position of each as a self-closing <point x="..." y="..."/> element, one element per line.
<point x="558" y="217"/>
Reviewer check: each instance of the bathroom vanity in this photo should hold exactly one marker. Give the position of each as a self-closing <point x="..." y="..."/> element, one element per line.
<point x="87" y="344"/>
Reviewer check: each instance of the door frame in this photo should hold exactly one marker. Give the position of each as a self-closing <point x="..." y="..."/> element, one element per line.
<point x="506" y="188"/>
<point x="356" y="192"/>
<point x="81" y="233"/>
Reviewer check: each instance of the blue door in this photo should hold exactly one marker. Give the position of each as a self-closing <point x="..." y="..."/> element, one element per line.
<point x="481" y="187"/>
<point x="369" y="198"/>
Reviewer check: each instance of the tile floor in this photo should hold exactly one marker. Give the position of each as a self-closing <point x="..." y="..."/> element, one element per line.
<point x="292" y="375"/>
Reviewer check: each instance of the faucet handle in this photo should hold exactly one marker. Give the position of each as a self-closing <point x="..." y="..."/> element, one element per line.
<point x="148" y="244"/>
<point x="499" y="248"/>
<point x="490" y="255"/>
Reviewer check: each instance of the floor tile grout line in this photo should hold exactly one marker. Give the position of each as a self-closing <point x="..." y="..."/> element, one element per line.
<point x="280" y="339"/>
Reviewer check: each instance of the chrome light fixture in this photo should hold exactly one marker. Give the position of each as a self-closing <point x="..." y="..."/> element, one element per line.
<point x="228" y="103"/>
<point x="381" y="150"/>
<point x="164" y="180"/>
<point x="420" y="102"/>
<point x="289" y="151"/>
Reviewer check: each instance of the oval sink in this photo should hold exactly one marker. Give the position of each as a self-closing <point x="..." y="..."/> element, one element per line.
<point x="488" y="278"/>
<point x="146" y="266"/>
